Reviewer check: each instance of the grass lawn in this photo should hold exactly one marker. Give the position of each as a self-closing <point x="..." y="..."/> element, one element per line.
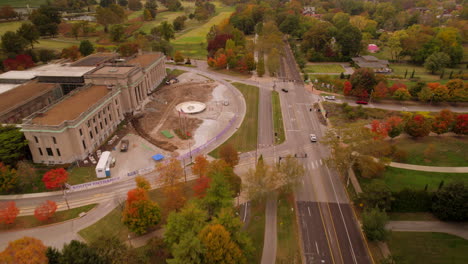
<point x="420" y="216"/>
<point x="288" y="250"/>
<point x="428" y="248"/>
<point x="55" y="44"/>
<point x="22" y="3"/>
<point x="111" y="224"/>
<point x="193" y="42"/>
<point x="256" y="229"/>
<point x="31" y="221"/>
<point x="245" y="138"/>
<point x="324" y="68"/>
<point x="277" y="118"/>
<point x="79" y="175"/>
<point x="160" y="17"/>
<point x="9" y="26"/>
<point x="175" y="72"/>
<point x="435" y="151"/>
<point x="398" y="179"/>
<point x="135" y="14"/>
<point x="419" y="71"/>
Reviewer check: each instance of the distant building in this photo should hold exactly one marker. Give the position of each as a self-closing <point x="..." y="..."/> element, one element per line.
<point x="372" y="48"/>
<point x="83" y="119"/>
<point x="310" y="11"/>
<point x="379" y="66"/>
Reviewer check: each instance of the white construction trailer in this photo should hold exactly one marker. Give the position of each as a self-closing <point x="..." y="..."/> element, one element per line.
<point x="103" y="165"/>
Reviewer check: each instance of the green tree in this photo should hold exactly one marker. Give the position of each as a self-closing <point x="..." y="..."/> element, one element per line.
<point x="86" y="47"/>
<point x="349" y="38"/>
<point x="179" y="23"/>
<point x="363" y="81"/>
<point x="401" y="94"/>
<point x="373" y="224"/>
<point x="113" y="251"/>
<point x="451" y="202"/>
<point x="13" y="145"/>
<point x="75" y="30"/>
<point x="261" y="67"/>
<point x="114" y="14"/>
<point x="218" y="195"/>
<point x="134" y="5"/>
<point x="260" y="182"/>
<point x="190" y="220"/>
<point x="418" y="126"/>
<point x="273" y="62"/>
<point x="220" y="249"/>
<point x="117" y="32"/>
<point x="188" y="250"/>
<point x="8" y="179"/>
<point x="29" y="32"/>
<point x="376" y="195"/>
<point x="77" y="252"/>
<point x="165" y="30"/>
<point x="436" y="62"/>
<point x="178" y="58"/>
<point x="151" y="6"/>
<point x="140" y="212"/>
<point x="46" y="18"/>
<point x="13" y="42"/>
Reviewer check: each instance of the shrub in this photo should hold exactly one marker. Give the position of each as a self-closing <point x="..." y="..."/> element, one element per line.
<point x="409" y="200"/>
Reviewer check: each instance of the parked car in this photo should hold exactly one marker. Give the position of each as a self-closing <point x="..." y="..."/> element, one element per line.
<point x="361" y="102"/>
<point x="330" y="97"/>
<point x="124" y="145"/>
<point x="313" y="138"/>
<point x="284" y="90"/>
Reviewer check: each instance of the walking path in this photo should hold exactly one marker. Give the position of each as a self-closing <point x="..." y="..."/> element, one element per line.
<point x="457" y="229"/>
<point x="270" y="236"/>
<point x="429" y="168"/>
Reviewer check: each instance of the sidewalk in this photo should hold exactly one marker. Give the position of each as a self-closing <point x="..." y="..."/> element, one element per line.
<point x="457" y="229"/>
<point x="429" y="168"/>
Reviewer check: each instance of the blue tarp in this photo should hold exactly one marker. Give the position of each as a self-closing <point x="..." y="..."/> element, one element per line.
<point x="158" y="157"/>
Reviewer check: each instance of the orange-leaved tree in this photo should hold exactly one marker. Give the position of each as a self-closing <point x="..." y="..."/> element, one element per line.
<point x="201" y="185"/>
<point x="8" y="212"/>
<point x="175" y="197"/>
<point x="45" y="210"/>
<point x="220" y="248"/>
<point x="229" y="154"/>
<point x="170" y="173"/>
<point x="140" y="212"/>
<point x="55" y="178"/>
<point x="443" y="122"/>
<point x="26" y="250"/>
<point x="142" y="182"/>
<point x="200" y="166"/>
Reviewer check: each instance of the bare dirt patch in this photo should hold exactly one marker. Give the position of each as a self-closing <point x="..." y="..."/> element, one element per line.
<point x="160" y="113"/>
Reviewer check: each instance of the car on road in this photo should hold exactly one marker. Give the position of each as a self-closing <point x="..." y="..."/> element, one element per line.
<point x="330" y="97"/>
<point x="284" y="90"/>
<point x="124" y="145"/>
<point x="313" y="138"/>
<point x="362" y="102"/>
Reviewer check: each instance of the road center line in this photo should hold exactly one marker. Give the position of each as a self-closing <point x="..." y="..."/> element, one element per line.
<point x="308" y="209"/>
<point x="316" y="246"/>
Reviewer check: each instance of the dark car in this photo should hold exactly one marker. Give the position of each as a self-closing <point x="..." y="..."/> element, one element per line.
<point x="284" y="90"/>
<point x="361" y="102"/>
<point x="124" y="145"/>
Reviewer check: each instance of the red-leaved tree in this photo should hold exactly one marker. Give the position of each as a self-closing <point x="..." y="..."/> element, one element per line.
<point x="221" y="61"/>
<point x="347" y="87"/>
<point x="45" y="210"/>
<point x="380" y="91"/>
<point x="461" y="125"/>
<point x="201" y="185"/>
<point x="55" y="178"/>
<point x="8" y="212"/>
<point x="443" y="122"/>
<point x="418" y="126"/>
<point x="396" y="86"/>
<point x="20" y="62"/>
<point x="394" y="126"/>
<point x="379" y="129"/>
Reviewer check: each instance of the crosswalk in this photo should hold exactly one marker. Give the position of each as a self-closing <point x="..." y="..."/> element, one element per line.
<point x="316" y="164"/>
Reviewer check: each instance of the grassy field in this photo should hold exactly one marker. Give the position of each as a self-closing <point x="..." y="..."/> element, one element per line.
<point x="192" y="43"/>
<point x="435" y="151"/>
<point x="256" y="229"/>
<point x="79" y="175"/>
<point x="324" y="68"/>
<point x="160" y="17"/>
<point x="22" y="3"/>
<point x="245" y="138"/>
<point x="428" y="248"/>
<point x="111" y="224"/>
<point x="398" y="179"/>
<point x="30" y="221"/>
<point x="56" y="44"/>
<point x="277" y="118"/>
<point x="9" y="26"/>
<point x="420" y="71"/>
<point x="288" y="250"/>
<point x="420" y="216"/>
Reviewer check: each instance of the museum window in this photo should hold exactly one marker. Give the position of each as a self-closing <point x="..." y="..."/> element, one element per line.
<point x="58" y="153"/>
<point x="89" y="123"/>
<point x="55" y="140"/>
<point x="84" y="144"/>
<point x="95" y="129"/>
<point x="110" y="117"/>
<point x="100" y="123"/>
<point x="40" y="151"/>
<point x="91" y="134"/>
<point x="35" y="139"/>
<point x="105" y="121"/>
<point x="81" y="132"/>
<point x="49" y="152"/>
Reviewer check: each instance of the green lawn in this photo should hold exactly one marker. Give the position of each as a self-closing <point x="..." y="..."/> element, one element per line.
<point x="324" y="68"/>
<point x="175" y="72"/>
<point x="277" y="118"/>
<point x="30" y="221"/>
<point x="192" y="42"/>
<point x="9" y="26"/>
<point x="111" y="224"/>
<point x="256" y="229"/>
<point x="245" y="138"/>
<point x="79" y="175"/>
<point x="428" y="248"/>
<point x="56" y="44"/>
<point x="420" y="71"/>
<point x="288" y="250"/>
<point x="398" y="179"/>
<point x="419" y="216"/>
<point x="22" y="3"/>
<point x="160" y="17"/>
<point x="435" y="151"/>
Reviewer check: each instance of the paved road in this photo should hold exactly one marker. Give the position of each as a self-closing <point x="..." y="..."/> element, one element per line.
<point x="457" y="229"/>
<point x="329" y="230"/>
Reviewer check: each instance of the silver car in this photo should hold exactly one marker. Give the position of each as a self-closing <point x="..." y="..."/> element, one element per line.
<point x="313" y="138"/>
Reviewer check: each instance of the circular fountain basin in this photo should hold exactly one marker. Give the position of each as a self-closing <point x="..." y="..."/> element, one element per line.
<point x="191" y="107"/>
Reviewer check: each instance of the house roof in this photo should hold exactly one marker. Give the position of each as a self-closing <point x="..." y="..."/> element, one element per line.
<point x="73" y="106"/>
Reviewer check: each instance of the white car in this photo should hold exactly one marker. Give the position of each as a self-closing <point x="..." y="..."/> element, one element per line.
<point x="330" y="97"/>
<point x="313" y="138"/>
